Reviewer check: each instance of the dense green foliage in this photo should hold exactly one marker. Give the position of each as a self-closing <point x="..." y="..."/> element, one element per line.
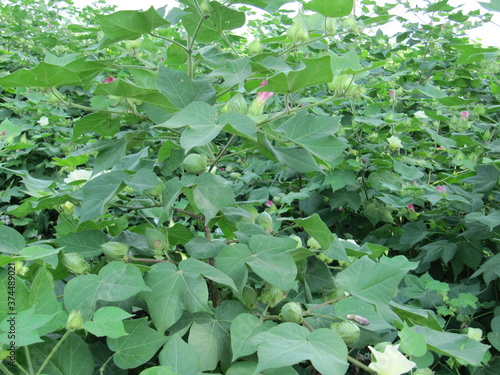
<point x="315" y="197"/>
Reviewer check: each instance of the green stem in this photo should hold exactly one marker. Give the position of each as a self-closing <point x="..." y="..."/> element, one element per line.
<point x="59" y="343"/>
<point x="170" y="40"/>
<point x="28" y="360"/>
<point x="224" y="36"/>
<point x="23" y="369"/>
<point x="103" y="367"/>
<point x="5" y="370"/>
<point x="360" y="364"/>
<point x="223" y="152"/>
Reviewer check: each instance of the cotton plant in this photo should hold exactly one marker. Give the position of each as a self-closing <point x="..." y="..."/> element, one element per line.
<point x="390" y="362"/>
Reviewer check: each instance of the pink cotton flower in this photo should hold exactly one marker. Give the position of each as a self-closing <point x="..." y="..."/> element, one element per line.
<point x="257" y="106"/>
<point x="392" y="94"/>
<point x="109" y="80"/>
<point x="411" y="207"/>
<point x="441" y="148"/>
<point x="269" y="203"/>
<point x="464" y="115"/>
<point x="441" y="188"/>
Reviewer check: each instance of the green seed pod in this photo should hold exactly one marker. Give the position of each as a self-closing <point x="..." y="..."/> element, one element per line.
<point x="350" y="22"/>
<point x="479" y="110"/>
<point x="291" y="312"/>
<point x="348" y="331"/>
<point x="75" y="321"/>
<point x="236" y="104"/>
<point x="205" y="7"/>
<point x="330" y="26"/>
<point x="265" y="221"/>
<point x="255" y="47"/>
<point x="298" y="239"/>
<point x="115" y="251"/>
<point x="249" y="297"/>
<point x="132" y="44"/>
<point x="157" y="242"/>
<point x="340" y="83"/>
<point x="272" y="295"/>
<point x="298" y="32"/>
<point x="234" y="175"/>
<point x="75" y="263"/>
<point x="195" y="163"/>
<point x="313" y="244"/>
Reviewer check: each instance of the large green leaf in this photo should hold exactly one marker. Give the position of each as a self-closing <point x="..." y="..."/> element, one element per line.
<point x="43" y="75"/>
<point x="313" y="72"/>
<point x="86" y="242"/>
<point x="12" y="241"/>
<point x="179" y="356"/>
<point x="107" y="321"/>
<point x="100" y="123"/>
<point x="98" y="192"/>
<point x="331" y="8"/>
<point x="173" y="291"/>
<point x="453" y="344"/>
<point x="72" y="357"/>
<point x="235" y="72"/>
<point x="371" y="282"/>
<point x="211" y="194"/>
<point x="221" y="18"/>
<point x="243" y="328"/>
<point x="490" y="269"/>
<point x="138" y="347"/>
<point x="317" y="228"/>
<point x="289" y="344"/>
<point x="297" y="159"/>
<point x="130" y="24"/>
<point x="315" y="133"/>
<point x="120" y="87"/>
<point x="116" y="281"/>
<point x="181" y="90"/>
<point x="486" y="178"/>
<point x="27" y="323"/>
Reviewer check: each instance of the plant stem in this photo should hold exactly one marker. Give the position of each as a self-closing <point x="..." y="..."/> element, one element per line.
<point x="360" y="365"/>
<point x="223" y="152"/>
<point x="28" y="360"/>
<point x="324" y="303"/>
<point x="5" y="370"/>
<point x="59" y="343"/>
<point x="170" y="40"/>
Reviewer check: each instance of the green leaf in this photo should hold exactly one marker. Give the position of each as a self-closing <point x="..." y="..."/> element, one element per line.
<point x="239" y="124"/>
<point x="492" y="220"/>
<point x="234" y="72"/>
<point x="26" y="322"/>
<point x="110" y="155"/>
<point x="407" y="172"/>
<point x="211" y="194"/>
<point x="486" y="178"/>
<point x="454" y="345"/>
<point x="297" y="159"/>
<point x="144" y="179"/>
<point x="116" y="281"/>
<point x="8" y="129"/>
<point x="172" y="292"/>
<point x="43" y="75"/>
<point x="86" y="242"/>
<point x="331" y="8"/>
<point x="158" y="370"/>
<point x="101" y="123"/>
<point x="315" y="72"/>
<point x="315" y="227"/>
<point x="493" y="5"/>
<point x="338" y="179"/>
<point x="371" y="282"/>
<point x="490" y="269"/>
<point x="413" y="233"/>
<point x="12" y="241"/>
<point x="107" y="321"/>
<point x="315" y="133"/>
<point x="130" y="24"/>
<point x="138" y="347"/>
<point x="73" y="356"/>
<point x="146" y="95"/>
<point x="243" y="328"/>
<point x="289" y="344"/>
<point x="98" y="192"/>
<point x="181" y="90"/>
<point x="195" y="267"/>
<point x="201" y="248"/>
<point x="179" y="356"/>
<point x="412" y="344"/>
<point x="231" y="261"/>
<point x="221" y="18"/>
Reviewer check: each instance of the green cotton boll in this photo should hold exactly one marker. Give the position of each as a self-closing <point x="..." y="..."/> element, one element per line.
<point x="330" y="25"/>
<point x="255" y="47"/>
<point x="298" y="32"/>
<point x="349" y="332"/>
<point x="195" y="163"/>
<point x="297" y="239"/>
<point x="75" y="263"/>
<point x="157" y="242"/>
<point x="265" y="221"/>
<point x="75" y="321"/>
<point x="236" y="104"/>
<point x="249" y="297"/>
<point x="115" y="251"/>
<point x="291" y="312"/>
<point x="272" y="295"/>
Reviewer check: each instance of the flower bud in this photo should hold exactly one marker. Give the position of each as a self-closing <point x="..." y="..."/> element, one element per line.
<point x="348" y="331"/>
<point x="475" y="333"/>
<point x="479" y="110"/>
<point x="68" y="208"/>
<point x="75" y="321"/>
<point x="115" y="251"/>
<point x="234" y="176"/>
<point x="330" y="26"/>
<point x="75" y="263"/>
<point x="350" y="22"/>
<point x="20" y="269"/>
<point x="362" y="321"/>
<point x="249" y="297"/>
<point x="132" y="44"/>
<point x="265" y="221"/>
<point x="205" y="7"/>
<point x="297" y="239"/>
<point x="340" y="83"/>
<point x="255" y="47"/>
<point x="195" y="163"/>
<point x="313" y="244"/>
<point x="394" y="143"/>
<point x="157" y="242"/>
<point x="291" y="312"/>
<point x="236" y="104"/>
<point x="298" y="32"/>
<point x="272" y="295"/>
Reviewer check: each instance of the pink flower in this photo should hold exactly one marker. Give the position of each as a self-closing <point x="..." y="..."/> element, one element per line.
<point x="441" y="188"/>
<point x="263" y="83"/>
<point x="109" y="80"/>
<point x="441" y="148"/>
<point x="257" y="106"/>
<point x="263" y="96"/>
<point x="464" y="115"/>
<point x="392" y="94"/>
<point x="411" y="208"/>
<point x="269" y="203"/>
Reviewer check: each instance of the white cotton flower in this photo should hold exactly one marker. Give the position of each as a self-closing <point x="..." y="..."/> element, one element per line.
<point x="78" y="175"/>
<point x="44" y="121"/>
<point x="475" y="333"/>
<point x="420" y="114"/>
<point x="391" y="361"/>
<point x="394" y="143"/>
